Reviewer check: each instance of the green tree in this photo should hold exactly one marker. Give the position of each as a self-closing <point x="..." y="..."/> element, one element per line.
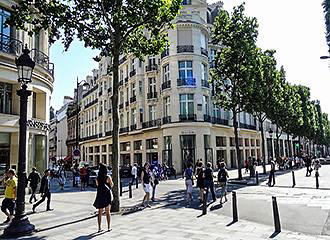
<point x="265" y="80"/>
<point x="114" y="27"/>
<point x="326" y="9"/>
<point x="233" y="72"/>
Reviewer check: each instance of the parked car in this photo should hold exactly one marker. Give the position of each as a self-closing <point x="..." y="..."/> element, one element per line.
<point x="94" y="171"/>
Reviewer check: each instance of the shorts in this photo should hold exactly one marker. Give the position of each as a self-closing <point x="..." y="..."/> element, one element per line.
<point x="9" y="204"/>
<point x="146" y="188"/>
<point x="223" y="186"/>
<point x="189" y="186"/>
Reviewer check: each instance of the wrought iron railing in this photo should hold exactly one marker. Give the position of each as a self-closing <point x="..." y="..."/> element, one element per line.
<point x="166" y="85"/>
<point x="10" y="45"/>
<point x="185" y="48"/>
<point x="152" y="67"/>
<point x="186" y="82"/>
<point x="42" y="60"/>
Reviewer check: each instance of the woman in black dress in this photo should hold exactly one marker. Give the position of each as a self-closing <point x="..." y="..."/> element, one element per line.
<point x="200" y="180"/>
<point x="103" y="195"/>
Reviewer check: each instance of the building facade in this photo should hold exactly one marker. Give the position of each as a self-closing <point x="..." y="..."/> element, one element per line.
<point x="11" y="45"/>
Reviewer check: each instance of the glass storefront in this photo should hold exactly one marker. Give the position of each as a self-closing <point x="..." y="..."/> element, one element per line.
<point x="188" y="144"/>
<point x="4" y="152"/>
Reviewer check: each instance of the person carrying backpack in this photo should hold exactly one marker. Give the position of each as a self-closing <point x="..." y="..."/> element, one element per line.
<point x="222" y="179"/>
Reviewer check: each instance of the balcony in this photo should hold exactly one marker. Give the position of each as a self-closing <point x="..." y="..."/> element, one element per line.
<point x="126" y="80"/>
<point x="100" y="135"/>
<point x="165" y="53"/>
<point x="152" y="123"/>
<point x="167" y="120"/>
<point x="100" y="114"/>
<point x="151" y="95"/>
<point x="220" y="121"/>
<point x="133" y="127"/>
<point x="127" y="104"/>
<point x="91" y="103"/>
<point x="108" y="133"/>
<point x="152" y="67"/>
<point x="185" y="49"/>
<point x="90" y="91"/>
<point x="122" y="60"/>
<point x="121" y="83"/>
<point x="187" y="117"/>
<point x="123" y="130"/>
<point x="132" y="99"/>
<point x="132" y="73"/>
<point x="109" y="89"/>
<point x="166" y="85"/>
<point x="204" y="52"/>
<point x="10" y="45"/>
<point x="100" y="93"/>
<point x="121" y="105"/>
<point x="247" y="126"/>
<point x="89" y="137"/>
<point x="207" y="118"/>
<point x="186" y="82"/>
<point x="205" y="83"/>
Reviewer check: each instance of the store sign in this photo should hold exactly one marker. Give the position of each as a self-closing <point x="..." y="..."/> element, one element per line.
<point x="188" y="132"/>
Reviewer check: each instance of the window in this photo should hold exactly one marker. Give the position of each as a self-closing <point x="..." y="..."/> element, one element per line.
<point x="141" y="115"/>
<point x="105" y="124"/>
<point x="206" y="105"/>
<point x="121" y="75"/>
<point x="167" y="105"/>
<point x="140" y="87"/>
<point x="253" y="142"/>
<point x="151" y="61"/>
<point x="152" y="85"/>
<point x="4" y="30"/>
<point x="138" y="145"/>
<point x="216" y="113"/>
<point x="125" y="146"/>
<point x="240" y="142"/>
<point x="152" y="112"/>
<point x="34" y="105"/>
<point x="132" y="65"/>
<point x="152" y="143"/>
<point x="167" y="152"/>
<point x="97" y="149"/>
<point x="186" y="2"/>
<point x="127" y="95"/>
<point x="133" y="119"/>
<point x="166" y="73"/>
<point x="121" y="121"/>
<point x="121" y="94"/>
<point x="232" y="142"/>
<point x="126" y="70"/>
<point x="90" y="149"/>
<point x="207" y="141"/>
<point x="203" y="41"/>
<point x="247" y="142"/>
<point x="105" y="105"/>
<point x="186" y="104"/>
<point x="204" y="72"/>
<point x="185" y="69"/>
<point x="6" y="97"/>
<point x="104" y="148"/>
<point x="105" y="85"/>
<point x="133" y="90"/>
<point x="37" y="41"/>
<point x="184" y="37"/>
<point x="168" y="143"/>
<point x="220" y="141"/>
<point x="258" y="142"/>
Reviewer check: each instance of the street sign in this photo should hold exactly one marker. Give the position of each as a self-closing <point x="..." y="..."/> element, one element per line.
<point x="76" y="153"/>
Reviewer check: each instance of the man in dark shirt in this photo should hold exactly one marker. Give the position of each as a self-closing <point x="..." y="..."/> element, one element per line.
<point x="208" y="181"/>
<point x="271" y="180"/>
<point x="34" y="179"/>
<point x="45" y="191"/>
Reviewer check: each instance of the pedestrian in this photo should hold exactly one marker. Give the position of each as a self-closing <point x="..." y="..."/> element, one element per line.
<point x="45" y="191"/>
<point x="134" y="174"/>
<point x="145" y="178"/>
<point x="308" y="163"/>
<point x="188" y="174"/>
<point x="246" y="166"/>
<point x="208" y="181"/>
<point x="88" y="175"/>
<point x="8" y="204"/>
<point x="200" y="180"/>
<point x="317" y="165"/>
<point x="61" y="177"/>
<point x="103" y="195"/>
<point x="83" y="174"/>
<point x="34" y="179"/>
<point x="271" y="180"/>
<point x="222" y="179"/>
<point x="155" y="181"/>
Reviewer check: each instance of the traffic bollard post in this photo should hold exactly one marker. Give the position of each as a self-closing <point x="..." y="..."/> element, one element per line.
<point x="235" y="214"/>
<point x="293" y="180"/>
<point x="276" y="215"/>
<point x="120" y="188"/>
<point x="130" y="190"/>
<point x="257" y="178"/>
<point x="317" y="180"/>
<point x="137" y="183"/>
<point x="205" y="202"/>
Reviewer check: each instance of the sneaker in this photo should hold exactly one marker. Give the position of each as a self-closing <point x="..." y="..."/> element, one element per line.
<point x="148" y="206"/>
<point x="50" y="209"/>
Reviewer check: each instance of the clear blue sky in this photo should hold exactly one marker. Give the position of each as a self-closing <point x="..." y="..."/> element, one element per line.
<point x="295" y="28"/>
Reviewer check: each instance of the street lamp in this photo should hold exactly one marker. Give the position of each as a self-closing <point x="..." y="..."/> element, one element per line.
<point x="21" y="224"/>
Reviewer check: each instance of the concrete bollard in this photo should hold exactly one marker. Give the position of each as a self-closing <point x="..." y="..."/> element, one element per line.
<point x="204" y="208"/>
<point x="130" y="190"/>
<point x="257" y="178"/>
<point x="293" y="180"/>
<point x="120" y="188"/>
<point x="235" y="214"/>
<point x="276" y="216"/>
<point x="317" y="180"/>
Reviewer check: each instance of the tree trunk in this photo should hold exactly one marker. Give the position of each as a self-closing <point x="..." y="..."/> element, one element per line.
<point x="277" y="142"/>
<point x="115" y="131"/>
<point x="261" y="123"/>
<point x="238" y="155"/>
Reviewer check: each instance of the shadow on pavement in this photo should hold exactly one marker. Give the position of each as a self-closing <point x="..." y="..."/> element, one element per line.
<point x="90" y="236"/>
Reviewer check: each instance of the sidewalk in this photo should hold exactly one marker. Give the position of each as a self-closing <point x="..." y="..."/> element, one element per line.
<point x="74" y="218"/>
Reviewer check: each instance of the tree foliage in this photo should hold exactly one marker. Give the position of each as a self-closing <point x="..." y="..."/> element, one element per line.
<point x="326" y="9"/>
<point x="112" y="26"/>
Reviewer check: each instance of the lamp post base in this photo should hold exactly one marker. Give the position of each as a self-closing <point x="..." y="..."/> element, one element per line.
<point x="19" y="227"/>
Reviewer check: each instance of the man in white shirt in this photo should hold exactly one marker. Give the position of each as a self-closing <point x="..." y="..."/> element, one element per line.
<point x="134" y="174"/>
